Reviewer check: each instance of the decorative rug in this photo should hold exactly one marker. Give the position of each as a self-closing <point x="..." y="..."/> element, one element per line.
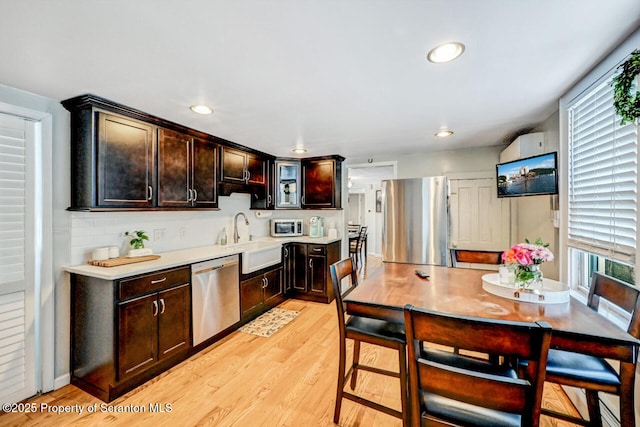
<point x="269" y="323"/>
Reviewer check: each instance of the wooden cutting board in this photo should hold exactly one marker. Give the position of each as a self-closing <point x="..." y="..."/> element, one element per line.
<point x="113" y="262"/>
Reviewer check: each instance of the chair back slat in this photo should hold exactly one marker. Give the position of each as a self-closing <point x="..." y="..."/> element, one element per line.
<point x="619" y="293"/>
<point x="475" y="257"/>
<point x="493" y="391"/>
<point x="523" y="340"/>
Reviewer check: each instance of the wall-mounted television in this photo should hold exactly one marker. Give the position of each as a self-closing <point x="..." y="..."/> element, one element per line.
<point x="532" y="176"/>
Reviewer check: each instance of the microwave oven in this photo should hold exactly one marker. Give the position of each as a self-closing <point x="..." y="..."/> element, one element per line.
<point x="286" y="227"/>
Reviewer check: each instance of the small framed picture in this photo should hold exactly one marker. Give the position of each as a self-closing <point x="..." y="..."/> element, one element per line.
<point x="378" y="200"/>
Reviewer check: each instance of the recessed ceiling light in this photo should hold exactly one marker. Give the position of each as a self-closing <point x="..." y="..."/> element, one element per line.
<point x="443" y="133"/>
<point x="299" y="150"/>
<point x="201" y="109"/>
<point x="445" y="52"/>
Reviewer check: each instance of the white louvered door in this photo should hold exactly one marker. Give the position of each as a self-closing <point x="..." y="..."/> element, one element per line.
<point x="17" y="260"/>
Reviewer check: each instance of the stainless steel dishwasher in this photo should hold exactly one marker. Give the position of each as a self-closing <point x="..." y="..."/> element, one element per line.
<point x="215" y="296"/>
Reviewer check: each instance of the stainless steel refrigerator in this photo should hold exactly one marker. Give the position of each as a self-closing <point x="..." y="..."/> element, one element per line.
<point x="415" y="225"/>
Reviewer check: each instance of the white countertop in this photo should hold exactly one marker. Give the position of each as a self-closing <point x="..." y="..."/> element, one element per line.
<point x="184" y="257"/>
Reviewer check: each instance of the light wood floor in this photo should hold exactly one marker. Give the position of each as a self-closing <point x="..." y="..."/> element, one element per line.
<point x="244" y="380"/>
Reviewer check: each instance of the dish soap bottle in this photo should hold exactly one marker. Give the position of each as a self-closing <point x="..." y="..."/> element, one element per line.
<point x="223" y="237"/>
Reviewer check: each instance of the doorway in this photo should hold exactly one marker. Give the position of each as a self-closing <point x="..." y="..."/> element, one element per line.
<point x="364" y="183"/>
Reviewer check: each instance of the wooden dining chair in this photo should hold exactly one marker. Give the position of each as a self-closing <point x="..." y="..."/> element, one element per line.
<point x="355" y="247"/>
<point x="595" y="374"/>
<point x="362" y="329"/>
<point x="475" y="257"/>
<point x="449" y="390"/>
<point x="353" y="228"/>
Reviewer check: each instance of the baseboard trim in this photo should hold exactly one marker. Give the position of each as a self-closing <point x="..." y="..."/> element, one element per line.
<point x="61" y="381"/>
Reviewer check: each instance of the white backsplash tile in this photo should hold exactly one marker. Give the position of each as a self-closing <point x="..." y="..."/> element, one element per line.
<point x="182" y="229"/>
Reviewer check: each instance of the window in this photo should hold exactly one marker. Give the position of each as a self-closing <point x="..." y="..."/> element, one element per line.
<point x="602" y="185"/>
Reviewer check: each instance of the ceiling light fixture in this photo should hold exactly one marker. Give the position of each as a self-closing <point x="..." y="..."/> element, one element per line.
<point x="299" y="150"/>
<point x="201" y="109"/>
<point x="445" y="52"/>
<point x="443" y="133"/>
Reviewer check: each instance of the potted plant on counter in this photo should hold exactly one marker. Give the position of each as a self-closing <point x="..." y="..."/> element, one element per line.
<point x="136" y="241"/>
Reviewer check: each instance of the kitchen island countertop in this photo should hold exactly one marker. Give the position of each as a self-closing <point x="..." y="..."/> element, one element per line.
<point x="185" y="257"/>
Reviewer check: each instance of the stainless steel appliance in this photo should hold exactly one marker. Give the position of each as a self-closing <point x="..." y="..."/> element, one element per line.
<point x="215" y="296"/>
<point x="415" y="226"/>
<point x="286" y="227"/>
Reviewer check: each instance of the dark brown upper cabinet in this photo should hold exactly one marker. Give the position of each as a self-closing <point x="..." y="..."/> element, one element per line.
<point x="122" y="158"/>
<point x="322" y="182"/>
<point x="125" y="162"/>
<point x="245" y="172"/>
<point x="241" y="167"/>
<point x="186" y="170"/>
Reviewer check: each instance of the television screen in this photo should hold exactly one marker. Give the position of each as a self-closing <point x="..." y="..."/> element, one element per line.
<point x="528" y="177"/>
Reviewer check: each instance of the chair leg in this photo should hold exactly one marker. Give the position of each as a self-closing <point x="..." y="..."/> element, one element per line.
<point x="404" y="388"/>
<point x="356" y="362"/>
<point x="593" y="403"/>
<point x="340" y="388"/>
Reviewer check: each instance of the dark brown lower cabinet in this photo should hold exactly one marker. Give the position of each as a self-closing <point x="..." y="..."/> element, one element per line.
<point x="308" y="270"/>
<point x="260" y="292"/>
<point x="127" y="331"/>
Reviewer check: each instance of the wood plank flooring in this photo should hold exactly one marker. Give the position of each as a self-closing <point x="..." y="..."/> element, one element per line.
<point x="287" y="380"/>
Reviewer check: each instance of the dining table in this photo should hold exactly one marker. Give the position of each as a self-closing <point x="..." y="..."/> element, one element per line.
<point x="576" y="327"/>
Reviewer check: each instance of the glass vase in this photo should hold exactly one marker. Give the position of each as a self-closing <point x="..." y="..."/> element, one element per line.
<point x="529" y="276"/>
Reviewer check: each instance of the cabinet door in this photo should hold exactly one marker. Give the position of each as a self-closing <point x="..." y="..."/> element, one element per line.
<point x="317" y="275"/>
<point x="318" y="184"/>
<point x="174" y="158"/>
<point x="233" y="166"/>
<point x="125" y="162"/>
<point x="288" y="267"/>
<point x="257" y="170"/>
<point x="204" y="173"/>
<point x="174" y="320"/>
<point x="273" y="286"/>
<point x="137" y="335"/>
<point x="299" y="267"/>
<point x="251" y="294"/>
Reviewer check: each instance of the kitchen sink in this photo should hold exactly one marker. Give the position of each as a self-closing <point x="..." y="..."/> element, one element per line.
<point x="257" y="255"/>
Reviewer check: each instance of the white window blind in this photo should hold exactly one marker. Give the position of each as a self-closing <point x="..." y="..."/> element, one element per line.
<point x="602" y="176"/>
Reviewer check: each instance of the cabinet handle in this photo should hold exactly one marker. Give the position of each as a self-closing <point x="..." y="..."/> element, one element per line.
<point x="302" y="199"/>
<point x="266" y="282"/>
<point x="195" y="194"/>
<point x="286" y="252"/>
<point x="189" y="196"/>
<point x="269" y="199"/>
<point x="150" y="193"/>
<point x="310" y="263"/>
<point x="155" y="308"/>
<point x="317" y="250"/>
<point x="163" y="307"/>
<point x="248" y="176"/>
<point x="153" y="282"/>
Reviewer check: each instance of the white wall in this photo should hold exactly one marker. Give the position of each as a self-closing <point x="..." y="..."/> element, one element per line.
<point x="481" y="159"/>
<point x="532" y="215"/>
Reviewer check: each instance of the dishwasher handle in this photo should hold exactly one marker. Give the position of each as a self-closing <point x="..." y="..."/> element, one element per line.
<point x="206" y="267"/>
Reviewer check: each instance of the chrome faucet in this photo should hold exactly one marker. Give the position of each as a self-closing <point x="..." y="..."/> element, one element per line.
<point x="236" y="236"/>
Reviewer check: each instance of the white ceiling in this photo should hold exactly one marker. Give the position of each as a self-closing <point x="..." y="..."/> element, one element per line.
<point x="339" y="76"/>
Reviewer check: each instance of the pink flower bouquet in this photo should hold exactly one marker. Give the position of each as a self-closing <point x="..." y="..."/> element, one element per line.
<point x="527" y="258"/>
